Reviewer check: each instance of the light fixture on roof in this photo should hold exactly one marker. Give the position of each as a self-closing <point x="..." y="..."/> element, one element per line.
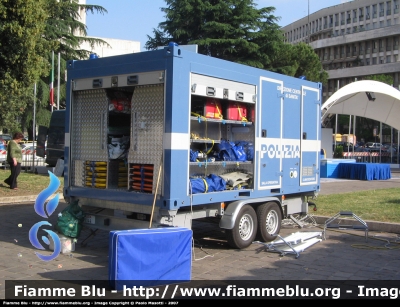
<point x="370" y="95"/>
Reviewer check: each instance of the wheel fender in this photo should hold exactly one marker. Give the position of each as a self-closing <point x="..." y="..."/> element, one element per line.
<point x="229" y="218"/>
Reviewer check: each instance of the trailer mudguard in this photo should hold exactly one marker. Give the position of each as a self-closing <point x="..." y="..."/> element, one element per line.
<point x="229" y="218"/>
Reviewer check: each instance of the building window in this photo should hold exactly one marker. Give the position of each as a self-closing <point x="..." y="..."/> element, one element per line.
<point x="374" y="11"/>
<point x="373" y="60"/>
<point x="388" y="7"/>
<point x="381" y="9"/>
<point x="389" y="22"/>
<point x="395" y="57"/>
<point x="367" y="61"/>
<point x="381" y="60"/>
<point x="388" y="58"/>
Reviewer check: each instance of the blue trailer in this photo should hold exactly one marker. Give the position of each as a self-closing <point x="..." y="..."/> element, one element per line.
<point x="167" y="136"/>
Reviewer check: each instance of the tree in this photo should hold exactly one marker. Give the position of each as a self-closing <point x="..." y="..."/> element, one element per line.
<point x="22" y="23"/>
<point x="65" y="30"/>
<point x="226" y="29"/>
<point x="388" y="79"/>
<point x="235" y="30"/>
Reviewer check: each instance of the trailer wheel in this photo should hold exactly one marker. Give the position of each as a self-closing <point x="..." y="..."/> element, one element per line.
<point x="269" y="221"/>
<point x="245" y="229"/>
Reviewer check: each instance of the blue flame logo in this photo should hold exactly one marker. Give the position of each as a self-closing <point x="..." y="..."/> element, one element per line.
<point x="40" y="210"/>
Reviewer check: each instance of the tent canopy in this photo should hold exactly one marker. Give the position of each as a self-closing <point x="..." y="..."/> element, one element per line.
<point x="366" y="98"/>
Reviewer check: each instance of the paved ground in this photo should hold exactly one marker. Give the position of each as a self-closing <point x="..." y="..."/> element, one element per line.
<point x="342" y="256"/>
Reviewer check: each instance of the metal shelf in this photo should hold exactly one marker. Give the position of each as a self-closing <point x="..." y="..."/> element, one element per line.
<point x="223" y="121"/>
<point x="220" y="163"/>
<point x="205" y="141"/>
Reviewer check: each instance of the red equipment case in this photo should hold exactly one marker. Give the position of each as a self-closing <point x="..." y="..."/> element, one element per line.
<point x="236" y="111"/>
<point x="212" y="109"/>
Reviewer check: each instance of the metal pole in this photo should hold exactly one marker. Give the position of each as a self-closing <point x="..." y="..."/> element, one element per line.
<point x="380" y="142"/>
<point x="308" y="23"/>
<point x="391" y="145"/>
<point x="354" y="132"/>
<point x="52" y="72"/>
<point x="58" y="83"/>
<point x="398" y="147"/>
<point x="34" y="129"/>
<point x="336" y="123"/>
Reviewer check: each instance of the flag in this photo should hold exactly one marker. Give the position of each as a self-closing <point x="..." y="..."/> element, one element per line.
<point x="52" y="80"/>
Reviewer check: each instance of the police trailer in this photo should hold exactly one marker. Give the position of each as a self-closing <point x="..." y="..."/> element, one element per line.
<point x="162" y="137"/>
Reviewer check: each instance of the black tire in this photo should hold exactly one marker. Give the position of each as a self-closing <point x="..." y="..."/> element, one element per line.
<point x="245" y="229"/>
<point x="269" y="221"/>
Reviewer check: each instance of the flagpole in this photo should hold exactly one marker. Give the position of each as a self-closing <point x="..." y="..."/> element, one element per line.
<point x="58" y="83"/>
<point x="52" y="81"/>
<point x="34" y="126"/>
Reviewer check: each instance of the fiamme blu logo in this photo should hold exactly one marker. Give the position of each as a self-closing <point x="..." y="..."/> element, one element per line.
<point x="46" y="211"/>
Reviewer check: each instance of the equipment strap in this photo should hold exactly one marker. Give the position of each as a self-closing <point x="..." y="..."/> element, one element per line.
<point x="243" y="118"/>
<point x="205" y="185"/>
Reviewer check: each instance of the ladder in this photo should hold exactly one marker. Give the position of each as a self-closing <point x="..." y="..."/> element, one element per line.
<point x="362" y="226"/>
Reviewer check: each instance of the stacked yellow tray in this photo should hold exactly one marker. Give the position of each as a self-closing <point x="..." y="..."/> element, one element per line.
<point x="96" y="174"/>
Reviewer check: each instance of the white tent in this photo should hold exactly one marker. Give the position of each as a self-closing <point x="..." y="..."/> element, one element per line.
<point x="367" y="98"/>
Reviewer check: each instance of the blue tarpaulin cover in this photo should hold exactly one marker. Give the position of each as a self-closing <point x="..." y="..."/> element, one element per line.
<point x="364" y="171"/>
<point x="149" y="257"/>
<point x="211" y="183"/>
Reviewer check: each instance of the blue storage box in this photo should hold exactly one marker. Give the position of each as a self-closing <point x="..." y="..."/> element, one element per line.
<point x="329" y="167"/>
<point x="149" y="257"/>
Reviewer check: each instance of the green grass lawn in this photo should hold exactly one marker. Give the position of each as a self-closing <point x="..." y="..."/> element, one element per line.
<point x="28" y="184"/>
<point x="382" y="205"/>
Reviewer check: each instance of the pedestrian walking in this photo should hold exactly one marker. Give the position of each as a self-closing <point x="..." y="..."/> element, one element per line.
<point x="14" y="158"/>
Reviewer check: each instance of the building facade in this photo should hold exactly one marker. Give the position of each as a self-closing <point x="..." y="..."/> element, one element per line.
<point x="353" y="40"/>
